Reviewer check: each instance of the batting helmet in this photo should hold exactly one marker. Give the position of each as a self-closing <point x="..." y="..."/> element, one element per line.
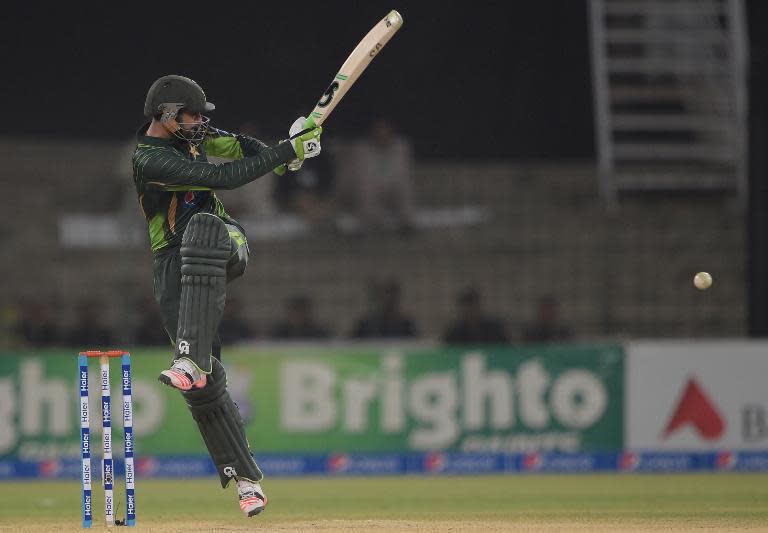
<point x="178" y="92"/>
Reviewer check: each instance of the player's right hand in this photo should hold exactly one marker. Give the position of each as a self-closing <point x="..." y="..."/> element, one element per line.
<point x="305" y="139"/>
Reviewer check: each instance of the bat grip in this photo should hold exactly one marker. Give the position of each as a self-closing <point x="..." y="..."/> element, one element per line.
<point x="309" y="125"/>
<point x="302" y="132"/>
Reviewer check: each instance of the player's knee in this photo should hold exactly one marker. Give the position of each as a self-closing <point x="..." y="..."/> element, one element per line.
<point x="237" y="264"/>
<point x="205" y="247"/>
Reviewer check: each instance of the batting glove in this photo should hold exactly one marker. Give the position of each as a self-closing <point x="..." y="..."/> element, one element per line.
<point x="305" y="138"/>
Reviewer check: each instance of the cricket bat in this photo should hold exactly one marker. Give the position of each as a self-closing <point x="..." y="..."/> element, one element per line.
<point x="354" y="66"/>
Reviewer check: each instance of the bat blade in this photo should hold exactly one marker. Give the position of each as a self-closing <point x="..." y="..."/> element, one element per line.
<point x="354" y="66"/>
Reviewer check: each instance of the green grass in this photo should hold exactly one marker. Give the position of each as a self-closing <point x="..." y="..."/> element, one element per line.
<point x="732" y="499"/>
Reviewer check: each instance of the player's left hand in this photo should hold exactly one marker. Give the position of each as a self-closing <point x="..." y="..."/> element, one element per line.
<point x="305" y="140"/>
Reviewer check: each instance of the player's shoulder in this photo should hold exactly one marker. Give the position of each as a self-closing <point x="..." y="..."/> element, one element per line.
<point x="149" y="146"/>
<point x="145" y="151"/>
<point x="150" y="159"/>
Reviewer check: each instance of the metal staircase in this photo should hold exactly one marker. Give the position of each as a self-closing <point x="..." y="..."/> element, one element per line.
<point x="669" y="83"/>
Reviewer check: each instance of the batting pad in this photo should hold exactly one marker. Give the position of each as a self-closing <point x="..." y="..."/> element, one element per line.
<point x="222" y="428"/>
<point x="205" y="250"/>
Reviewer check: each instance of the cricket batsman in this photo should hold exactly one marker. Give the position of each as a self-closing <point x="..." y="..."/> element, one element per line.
<point x="198" y="248"/>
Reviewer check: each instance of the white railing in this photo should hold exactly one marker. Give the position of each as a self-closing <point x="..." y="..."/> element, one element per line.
<point x="670" y="99"/>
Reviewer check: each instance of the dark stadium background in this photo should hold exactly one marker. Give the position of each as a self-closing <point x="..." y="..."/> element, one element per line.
<point x="483" y="80"/>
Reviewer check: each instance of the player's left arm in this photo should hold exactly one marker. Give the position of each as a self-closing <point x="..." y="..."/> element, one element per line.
<point x="304" y="138"/>
<point x="220" y="143"/>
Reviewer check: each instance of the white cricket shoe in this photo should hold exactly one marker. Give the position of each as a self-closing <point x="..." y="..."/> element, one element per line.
<point x="183" y="375"/>
<point x="252" y="497"/>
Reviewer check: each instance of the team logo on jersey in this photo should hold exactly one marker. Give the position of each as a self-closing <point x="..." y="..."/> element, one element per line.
<point x="190" y="199"/>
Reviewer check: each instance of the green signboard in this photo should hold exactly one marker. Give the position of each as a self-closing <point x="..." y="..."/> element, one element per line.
<point x="350" y="399"/>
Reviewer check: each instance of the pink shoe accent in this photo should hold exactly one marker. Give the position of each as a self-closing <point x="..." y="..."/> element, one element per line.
<point x="252" y="498"/>
<point x="181" y="380"/>
<point x="249" y="505"/>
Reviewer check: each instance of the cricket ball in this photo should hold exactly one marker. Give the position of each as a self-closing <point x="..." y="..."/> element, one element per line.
<point x="702" y="281"/>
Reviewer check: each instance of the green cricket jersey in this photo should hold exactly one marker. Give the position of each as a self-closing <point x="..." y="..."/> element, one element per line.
<point x="174" y="182"/>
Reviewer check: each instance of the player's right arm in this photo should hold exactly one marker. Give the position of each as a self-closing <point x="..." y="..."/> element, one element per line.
<point x="165" y="167"/>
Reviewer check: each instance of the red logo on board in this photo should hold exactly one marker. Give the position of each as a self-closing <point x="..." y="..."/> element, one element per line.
<point x="725" y="460"/>
<point x="434" y="462"/>
<point x="628" y="461"/>
<point x="146" y="466"/>
<point x="532" y="461"/>
<point x="697" y="409"/>
<point x="49" y="468"/>
<point x="338" y="462"/>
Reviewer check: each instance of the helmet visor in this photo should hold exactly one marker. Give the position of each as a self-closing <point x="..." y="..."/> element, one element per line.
<point x="208" y="106"/>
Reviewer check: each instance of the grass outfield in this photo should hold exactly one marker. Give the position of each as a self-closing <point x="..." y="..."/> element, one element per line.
<point x="723" y="502"/>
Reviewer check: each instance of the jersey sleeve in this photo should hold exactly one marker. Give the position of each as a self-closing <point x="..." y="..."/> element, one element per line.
<point x="167" y="169"/>
<point x="220" y="143"/>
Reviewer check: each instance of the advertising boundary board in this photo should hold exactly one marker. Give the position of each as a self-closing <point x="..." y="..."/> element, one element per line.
<point x="696" y="396"/>
<point x="436" y="463"/>
<point x="723" y="376"/>
<point x="353" y="399"/>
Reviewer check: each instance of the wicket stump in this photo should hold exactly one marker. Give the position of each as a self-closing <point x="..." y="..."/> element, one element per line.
<point x="107" y="464"/>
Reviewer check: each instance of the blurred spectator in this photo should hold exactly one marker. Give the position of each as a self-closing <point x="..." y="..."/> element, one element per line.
<point x="149" y="331"/>
<point x="89" y="330"/>
<point x="234" y="327"/>
<point x="376" y="185"/>
<point x="307" y="192"/>
<point x="37" y="326"/>
<point x="473" y="326"/>
<point x="385" y="319"/>
<point x="546" y="326"/>
<point x="299" y="321"/>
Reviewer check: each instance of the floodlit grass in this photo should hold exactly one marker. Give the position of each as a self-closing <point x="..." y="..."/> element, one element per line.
<point x="468" y="503"/>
